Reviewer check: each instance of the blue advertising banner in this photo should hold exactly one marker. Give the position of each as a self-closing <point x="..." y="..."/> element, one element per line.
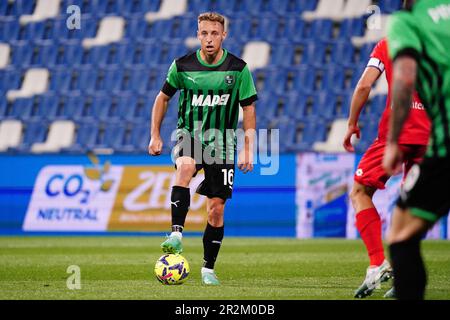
<point x="122" y="194"/>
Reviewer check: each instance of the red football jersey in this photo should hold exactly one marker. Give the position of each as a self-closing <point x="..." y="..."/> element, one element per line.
<point x="417" y="127"/>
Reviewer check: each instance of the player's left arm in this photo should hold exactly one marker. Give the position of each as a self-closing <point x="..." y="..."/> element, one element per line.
<point x="247" y="98"/>
<point x="245" y="161"/>
<point x="404" y="48"/>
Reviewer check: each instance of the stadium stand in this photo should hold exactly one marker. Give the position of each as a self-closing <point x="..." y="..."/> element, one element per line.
<point x="306" y="57"/>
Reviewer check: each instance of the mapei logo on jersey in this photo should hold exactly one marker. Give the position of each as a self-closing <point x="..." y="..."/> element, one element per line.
<point x="210" y="100"/>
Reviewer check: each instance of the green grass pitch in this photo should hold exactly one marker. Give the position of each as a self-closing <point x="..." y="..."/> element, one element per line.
<point x="249" y="268"/>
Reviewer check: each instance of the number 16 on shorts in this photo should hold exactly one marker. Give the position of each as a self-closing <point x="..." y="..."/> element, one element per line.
<point x="228" y="177"/>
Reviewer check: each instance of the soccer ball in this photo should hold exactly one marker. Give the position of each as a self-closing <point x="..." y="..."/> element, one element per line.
<point x="172" y="269"/>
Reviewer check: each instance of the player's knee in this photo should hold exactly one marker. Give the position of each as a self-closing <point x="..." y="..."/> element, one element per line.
<point x="215" y="214"/>
<point x="186" y="172"/>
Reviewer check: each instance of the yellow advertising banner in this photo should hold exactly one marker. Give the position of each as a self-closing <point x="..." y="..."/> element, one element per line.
<point x="143" y="201"/>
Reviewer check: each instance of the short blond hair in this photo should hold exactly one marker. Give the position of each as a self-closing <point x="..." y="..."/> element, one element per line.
<point x="212" y="16"/>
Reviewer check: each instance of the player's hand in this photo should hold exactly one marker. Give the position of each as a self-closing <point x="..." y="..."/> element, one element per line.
<point x="392" y="160"/>
<point x="155" y="146"/>
<point x="351" y="130"/>
<point x="245" y="160"/>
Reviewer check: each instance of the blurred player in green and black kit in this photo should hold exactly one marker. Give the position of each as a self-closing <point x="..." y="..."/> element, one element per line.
<point x="419" y="44"/>
<point x="213" y="83"/>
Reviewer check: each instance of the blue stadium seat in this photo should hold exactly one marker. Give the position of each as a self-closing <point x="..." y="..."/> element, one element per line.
<point x="313" y="53"/>
<point x="109" y="78"/>
<point x="239" y="27"/>
<point x="33" y="131"/>
<point x="282" y="54"/>
<point x="342" y="53"/>
<point x="89" y="25"/>
<point x="20" y="53"/>
<point x="304" y="79"/>
<point x="332" y="78"/>
<point x="320" y="29"/>
<point x="3" y="106"/>
<point x="111" y="135"/>
<point x="71" y="106"/>
<point x="21" y="108"/>
<point x="151" y="53"/>
<point x="85" y="137"/>
<point x="70" y="53"/>
<point x="97" y="107"/>
<point x="60" y="78"/>
<point x="138" y="8"/>
<point x="294" y="29"/>
<point x="390" y="6"/>
<point x="273" y="79"/>
<point x="351" y="28"/>
<point x="43" y="53"/>
<point x="83" y="78"/>
<point x="122" y="107"/>
<point x="309" y="132"/>
<point x="269" y="28"/>
<point x="198" y="6"/>
<point x="287" y="131"/>
<point x="296" y="106"/>
<point x="136" y="138"/>
<point x="47" y="106"/>
<point x="267" y="105"/>
<point x="364" y="52"/>
<point x="95" y="55"/>
<point x="10" y="78"/>
<point x="9" y="28"/>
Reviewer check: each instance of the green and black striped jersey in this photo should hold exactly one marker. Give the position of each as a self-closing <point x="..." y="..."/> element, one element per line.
<point x="210" y="96"/>
<point x="424" y="33"/>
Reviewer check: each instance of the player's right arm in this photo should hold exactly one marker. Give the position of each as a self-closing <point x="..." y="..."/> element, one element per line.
<point x="158" y="112"/>
<point x="171" y="86"/>
<point x="359" y="99"/>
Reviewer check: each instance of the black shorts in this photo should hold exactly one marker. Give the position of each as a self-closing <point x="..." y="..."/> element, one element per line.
<point x="426" y="189"/>
<point x="219" y="175"/>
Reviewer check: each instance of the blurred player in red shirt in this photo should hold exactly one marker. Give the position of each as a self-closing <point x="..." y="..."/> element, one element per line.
<point x="370" y="175"/>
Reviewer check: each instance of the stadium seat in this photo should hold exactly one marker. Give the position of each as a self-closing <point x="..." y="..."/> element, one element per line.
<point x="390" y="6"/>
<point x="20" y="54"/>
<point x="47" y="106"/>
<point x="60" y="78"/>
<point x="303" y="80"/>
<point x="318" y="29"/>
<point x="167" y="10"/>
<point x="10" y="78"/>
<point x="5" y="50"/>
<point x="351" y="28"/>
<point x="111" y="29"/>
<point x="122" y="107"/>
<point x="10" y="134"/>
<point x="335" y="138"/>
<point x="86" y="135"/>
<point x="111" y="136"/>
<point x="44" y="9"/>
<point x="33" y="131"/>
<point x="354" y="9"/>
<point x="376" y="30"/>
<point x="9" y="29"/>
<point x="70" y="106"/>
<point x="35" y="82"/>
<point x="60" y="135"/>
<point x="326" y="9"/>
<point x="256" y="53"/>
<point x="136" y="138"/>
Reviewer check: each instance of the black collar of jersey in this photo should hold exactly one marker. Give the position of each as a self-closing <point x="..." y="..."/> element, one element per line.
<point x="189" y="63"/>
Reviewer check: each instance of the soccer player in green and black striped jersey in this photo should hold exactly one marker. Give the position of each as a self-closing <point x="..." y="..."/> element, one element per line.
<point x="213" y="83"/>
<point x="419" y="44"/>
